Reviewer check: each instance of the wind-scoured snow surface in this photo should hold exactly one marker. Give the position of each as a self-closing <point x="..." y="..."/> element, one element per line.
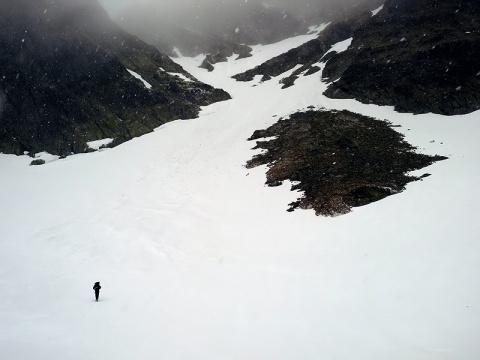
<point x="199" y="260"/>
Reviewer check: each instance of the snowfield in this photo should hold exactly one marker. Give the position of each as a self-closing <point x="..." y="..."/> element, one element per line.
<point x="199" y="260"/>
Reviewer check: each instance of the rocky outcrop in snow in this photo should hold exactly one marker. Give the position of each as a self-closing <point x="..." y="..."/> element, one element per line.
<point x="337" y="159"/>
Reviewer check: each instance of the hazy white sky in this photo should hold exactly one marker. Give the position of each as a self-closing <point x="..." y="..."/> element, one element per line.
<point x="113" y="6"/>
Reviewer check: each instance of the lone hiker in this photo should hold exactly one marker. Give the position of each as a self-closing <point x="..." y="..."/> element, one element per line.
<point x="97" y="288"/>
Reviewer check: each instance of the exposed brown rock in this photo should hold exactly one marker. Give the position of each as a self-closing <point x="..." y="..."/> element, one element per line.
<point x="338" y="159"/>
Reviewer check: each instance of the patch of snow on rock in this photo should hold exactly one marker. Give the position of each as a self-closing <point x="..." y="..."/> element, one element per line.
<point x="340" y="46"/>
<point x="147" y="85"/>
<point x="181" y="76"/>
<point x="97" y="144"/>
<point x="177" y="52"/>
<point x="318" y="28"/>
<point x="376" y="11"/>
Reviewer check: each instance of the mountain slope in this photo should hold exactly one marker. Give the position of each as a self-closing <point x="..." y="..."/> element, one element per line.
<point x="198" y="259"/>
<point x="65" y="80"/>
<point x="209" y="27"/>
<point x="419" y="56"/>
<point x="307" y="56"/>
<point x="170" y="38"/>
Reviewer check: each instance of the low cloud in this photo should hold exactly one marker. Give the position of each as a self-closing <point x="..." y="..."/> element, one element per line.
<point x="210" y="9"/>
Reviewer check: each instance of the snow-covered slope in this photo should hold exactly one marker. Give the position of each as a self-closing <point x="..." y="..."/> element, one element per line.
<point x="199" y="260"/>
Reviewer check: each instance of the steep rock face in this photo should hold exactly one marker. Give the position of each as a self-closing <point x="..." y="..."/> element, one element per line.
<point x="309" y="54"/>
<point x="64" y="79"/>
<point x="306" y="54"/>
<point x="419" y="56"/>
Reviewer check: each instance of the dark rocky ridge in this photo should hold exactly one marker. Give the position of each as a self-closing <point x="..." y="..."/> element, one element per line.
<point x="221" y="54"/>
<point x="64" y="79"/>
<point x="312" y="52"/>
<point x="338" y="159"/>
<point x="307" y="54"/>
<point x="419" y="56"/>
